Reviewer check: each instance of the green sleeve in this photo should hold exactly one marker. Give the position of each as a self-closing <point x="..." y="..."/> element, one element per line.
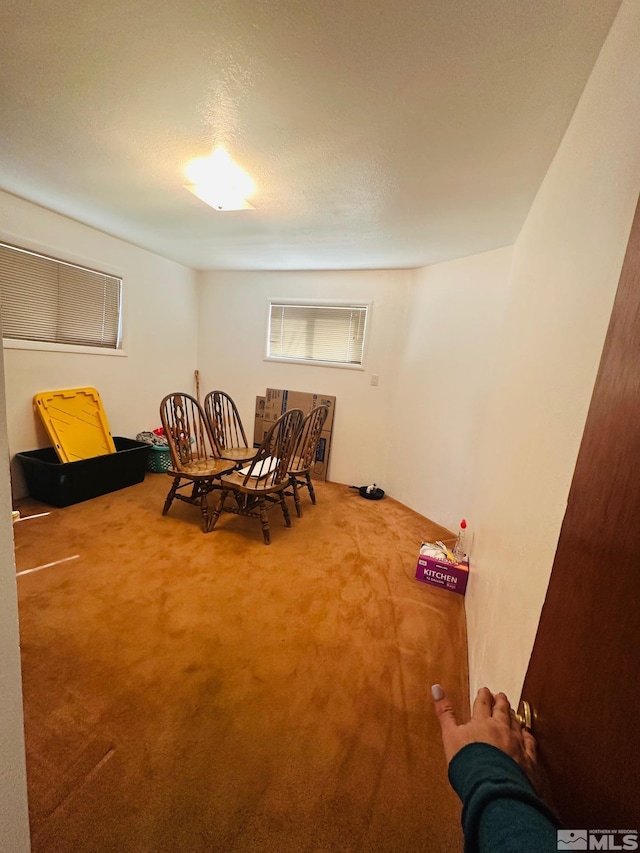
<point x="501" y="812"/>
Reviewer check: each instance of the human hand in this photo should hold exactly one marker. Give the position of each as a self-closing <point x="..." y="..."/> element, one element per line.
<point x="493" y="722"/>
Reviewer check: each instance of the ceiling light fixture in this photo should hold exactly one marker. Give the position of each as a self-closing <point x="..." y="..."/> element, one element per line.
<point x="219" y="182"/>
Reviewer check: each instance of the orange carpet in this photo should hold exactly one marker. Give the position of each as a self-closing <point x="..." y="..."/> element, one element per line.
<point x="192" y="692"/>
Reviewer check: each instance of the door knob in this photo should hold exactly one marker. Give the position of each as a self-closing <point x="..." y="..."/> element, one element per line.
<point x="525" y="715"/>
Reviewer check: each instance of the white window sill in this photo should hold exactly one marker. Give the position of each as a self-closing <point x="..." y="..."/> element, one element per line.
<point x="48" y="346"/>
<point x="314" y="363"/>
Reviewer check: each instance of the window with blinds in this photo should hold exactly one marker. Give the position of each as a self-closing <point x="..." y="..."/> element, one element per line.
<point x="43" y="299"/>
<point x="327" y="333"/>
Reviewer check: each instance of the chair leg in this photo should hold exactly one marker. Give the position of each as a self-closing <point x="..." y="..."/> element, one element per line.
<point x="264" y="521"/>
<point x="312" y="494"/>
<point x="171" y="495"/>
<point x="285" y="509"/>
<point x="296" y="496"/>
<point x="215" y="515"/>
<point x="204" y="509"/>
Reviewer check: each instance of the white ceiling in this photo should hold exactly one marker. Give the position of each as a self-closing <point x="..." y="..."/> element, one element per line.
<point x="380" y="133"/>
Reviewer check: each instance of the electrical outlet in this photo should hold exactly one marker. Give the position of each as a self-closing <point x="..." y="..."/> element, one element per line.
<point x="374" y="379"/>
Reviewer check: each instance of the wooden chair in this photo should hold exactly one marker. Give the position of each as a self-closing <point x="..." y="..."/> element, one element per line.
<point x="195" y="465"/>
<point x="304" y="455"/>
<point x="226" y="427"/>
<point x="256" y="492"/>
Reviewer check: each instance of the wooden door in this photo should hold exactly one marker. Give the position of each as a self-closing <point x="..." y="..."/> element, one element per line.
<point x="584" y="675"/>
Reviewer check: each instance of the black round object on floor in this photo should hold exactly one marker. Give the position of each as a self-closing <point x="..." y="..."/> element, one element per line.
<point x="369" y="492"/>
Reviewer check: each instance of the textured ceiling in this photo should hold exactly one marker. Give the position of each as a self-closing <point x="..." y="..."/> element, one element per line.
<point x="379" y="134"/>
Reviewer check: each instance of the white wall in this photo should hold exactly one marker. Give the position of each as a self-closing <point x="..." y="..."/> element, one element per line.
<point x="160" y="324"/>
<point x="232" y="338"/>
<point x="566" y="267"/>
<point x="14" y="819"/>
<point x="455" y="313"/>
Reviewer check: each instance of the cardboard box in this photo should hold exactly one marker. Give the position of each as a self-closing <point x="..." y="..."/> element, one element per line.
<point x="280" y="400"/>
<point x="258" y="422"/>
<point x="442" y="573"/>
<point x="319" y="468"/>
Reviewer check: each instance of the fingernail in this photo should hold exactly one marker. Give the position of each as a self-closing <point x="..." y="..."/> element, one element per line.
<point x="437" y="692"/>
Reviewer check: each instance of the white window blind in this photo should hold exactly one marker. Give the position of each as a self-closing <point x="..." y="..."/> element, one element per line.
<point x="44" y="299"/>
<point x="326" y="333"/>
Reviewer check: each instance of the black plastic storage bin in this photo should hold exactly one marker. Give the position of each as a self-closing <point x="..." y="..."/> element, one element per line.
<point x="64" y="483"/>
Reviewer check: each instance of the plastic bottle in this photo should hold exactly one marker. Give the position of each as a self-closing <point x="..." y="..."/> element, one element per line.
<point x="460" y="548"/>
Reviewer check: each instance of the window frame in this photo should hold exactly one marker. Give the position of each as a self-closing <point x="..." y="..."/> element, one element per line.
<point x="89" y="264"/>
<point x="320" y="303"/>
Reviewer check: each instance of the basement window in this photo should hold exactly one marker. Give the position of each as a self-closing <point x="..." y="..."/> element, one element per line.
<point x="331" y="334"/>
<point x="55" y="302"/>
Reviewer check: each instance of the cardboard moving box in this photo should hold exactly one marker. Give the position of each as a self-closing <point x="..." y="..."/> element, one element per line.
<point x="258" y="422"/>
<point x="277" y="401"/>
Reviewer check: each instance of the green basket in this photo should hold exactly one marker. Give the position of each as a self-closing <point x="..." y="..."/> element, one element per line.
<point x="159" y="459"/>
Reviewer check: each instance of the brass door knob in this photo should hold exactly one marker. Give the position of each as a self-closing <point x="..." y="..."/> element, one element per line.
<point x="525" y="715"/>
